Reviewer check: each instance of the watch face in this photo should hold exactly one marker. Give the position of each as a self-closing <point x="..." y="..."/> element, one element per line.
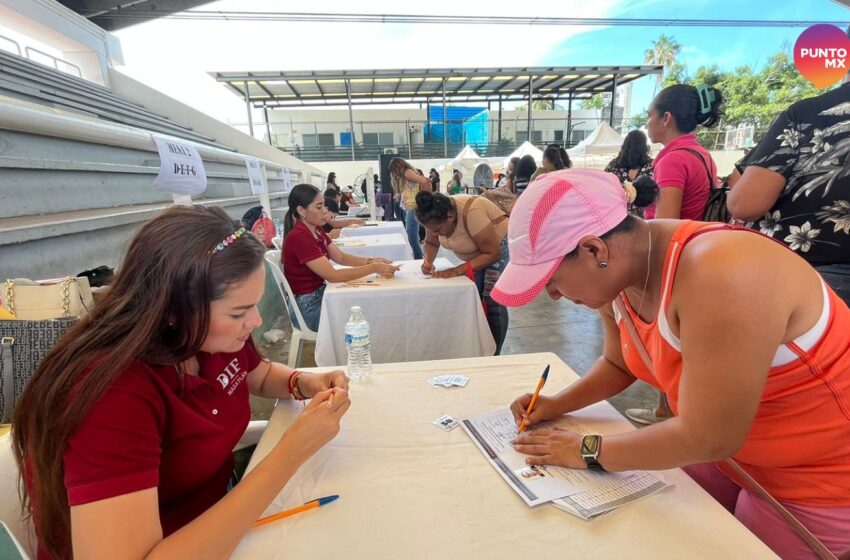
<point x="590" y="445"/>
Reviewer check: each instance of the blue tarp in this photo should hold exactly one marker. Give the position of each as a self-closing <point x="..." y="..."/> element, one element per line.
<point x="465" y="125"/>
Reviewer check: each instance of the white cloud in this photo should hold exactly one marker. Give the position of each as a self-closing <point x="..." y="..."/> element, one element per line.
<point x="175" y="55"/>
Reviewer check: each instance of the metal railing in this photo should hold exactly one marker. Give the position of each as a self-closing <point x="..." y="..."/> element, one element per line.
<point x="430" y="150"/>
<point x="57" y="63"/>
<point x="6" y="40"/>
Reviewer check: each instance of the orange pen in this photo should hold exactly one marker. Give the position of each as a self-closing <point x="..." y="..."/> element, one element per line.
<point x="534" y="398"/>
<point x="313" y="504"/>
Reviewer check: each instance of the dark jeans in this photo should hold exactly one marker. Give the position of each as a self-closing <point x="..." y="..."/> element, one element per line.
<point x="497" y="314"/>
<point x="838" y="278"/>
<point x="398" y="211"/>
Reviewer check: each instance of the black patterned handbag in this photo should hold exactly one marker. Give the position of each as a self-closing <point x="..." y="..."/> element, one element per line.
<point x="23" y="344"/>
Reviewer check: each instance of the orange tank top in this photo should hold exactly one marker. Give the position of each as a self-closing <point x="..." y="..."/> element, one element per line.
<point x="798" y="446"/>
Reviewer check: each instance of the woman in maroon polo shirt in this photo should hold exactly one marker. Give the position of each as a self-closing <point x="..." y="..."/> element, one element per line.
<point x="308" y="252"/>
<point x="124" y="435"/>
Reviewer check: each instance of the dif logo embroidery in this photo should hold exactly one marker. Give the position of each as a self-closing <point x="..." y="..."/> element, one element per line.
<point x="231" y="372"/>
<point x="821" y="54"/>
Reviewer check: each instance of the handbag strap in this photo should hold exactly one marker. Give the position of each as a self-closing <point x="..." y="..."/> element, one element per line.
<point x="811" y="540"/>
<point x="10" y="296"/>
<point x="465" y="212"/>
<point x="711" y="184"/>
<point x="6" y="370"/>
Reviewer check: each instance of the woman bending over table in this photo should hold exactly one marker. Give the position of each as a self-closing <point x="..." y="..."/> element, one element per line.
<point x="125" y="433"/>
<point x="308" y="252"/>
<point x="474" y="229"/>
<point x="747" y="340"/>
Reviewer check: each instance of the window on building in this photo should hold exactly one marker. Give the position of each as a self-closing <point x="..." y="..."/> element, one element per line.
<point x="536" y="135"/>
<point x="559" y="136"/>
<point x="314" y="140"/>
<point x="378" y="138"/>
<point x="577" y="136"/>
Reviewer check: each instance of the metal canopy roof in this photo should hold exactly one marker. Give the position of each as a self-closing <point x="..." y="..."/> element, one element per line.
<point x="331" y="87"/>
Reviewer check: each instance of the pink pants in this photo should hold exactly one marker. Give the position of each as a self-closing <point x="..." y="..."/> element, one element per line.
<point x="830" y="525"/>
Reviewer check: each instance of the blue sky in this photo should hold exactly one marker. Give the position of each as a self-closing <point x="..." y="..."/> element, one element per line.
<point x="727" y="47"/>
<point x="332" y="46"/>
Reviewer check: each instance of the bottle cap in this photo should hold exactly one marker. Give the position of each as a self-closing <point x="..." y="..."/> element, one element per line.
<point x="355" y="308"/>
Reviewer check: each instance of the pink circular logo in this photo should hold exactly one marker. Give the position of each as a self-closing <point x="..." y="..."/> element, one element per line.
<point x="821" y="54"/>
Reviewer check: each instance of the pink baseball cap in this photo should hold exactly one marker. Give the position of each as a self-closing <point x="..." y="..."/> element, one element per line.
<point x="547" y="222"/>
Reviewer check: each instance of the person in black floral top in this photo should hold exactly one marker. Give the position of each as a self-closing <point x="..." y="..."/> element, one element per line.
<point x="795" y="186"/>
<point x="632" y="162"/>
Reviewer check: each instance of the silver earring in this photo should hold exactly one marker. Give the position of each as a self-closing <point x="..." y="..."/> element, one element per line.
<point x="603" y="265"/>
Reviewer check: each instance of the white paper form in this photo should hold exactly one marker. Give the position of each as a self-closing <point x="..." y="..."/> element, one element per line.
<point x="587" y="492"/>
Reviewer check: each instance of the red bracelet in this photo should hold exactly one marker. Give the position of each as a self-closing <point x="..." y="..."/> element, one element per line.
<point x="294" y="391"/>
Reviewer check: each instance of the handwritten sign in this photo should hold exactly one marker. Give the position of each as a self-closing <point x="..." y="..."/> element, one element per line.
<point x="255" y="176"/>
<point x="181" y="169"/>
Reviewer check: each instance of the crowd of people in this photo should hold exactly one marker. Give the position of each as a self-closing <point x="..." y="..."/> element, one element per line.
<point x="744" y="336"/>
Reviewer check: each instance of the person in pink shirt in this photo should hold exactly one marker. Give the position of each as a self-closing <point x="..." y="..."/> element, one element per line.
<point x="684" y="171"/>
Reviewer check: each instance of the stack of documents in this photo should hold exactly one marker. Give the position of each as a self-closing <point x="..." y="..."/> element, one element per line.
<point x="583" y="493"/>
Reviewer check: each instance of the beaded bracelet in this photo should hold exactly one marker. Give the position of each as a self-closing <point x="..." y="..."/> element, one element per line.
<point x="294" y="391"/>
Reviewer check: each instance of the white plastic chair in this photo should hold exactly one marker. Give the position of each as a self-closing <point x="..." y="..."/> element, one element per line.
<point x="300" y="333"/>
<point x="277" y="242"/>
<point x="10" y="508"/>
<point x="252" y="434"/>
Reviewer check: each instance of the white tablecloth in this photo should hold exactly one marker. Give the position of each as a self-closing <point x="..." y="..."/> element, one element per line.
<point x="410" y="490"/>
<point x="361" y="211"/>
<point x="392" y="246"/>
<point x="382" y="228"/>
<point x="410" y="318"/>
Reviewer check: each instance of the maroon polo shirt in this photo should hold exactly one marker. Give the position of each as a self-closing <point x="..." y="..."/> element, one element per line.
<point x="300" y="247"/>
<point x="150" y="429"/>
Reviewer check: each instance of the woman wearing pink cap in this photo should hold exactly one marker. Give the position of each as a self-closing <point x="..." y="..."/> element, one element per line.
<point x="756" y="370"/>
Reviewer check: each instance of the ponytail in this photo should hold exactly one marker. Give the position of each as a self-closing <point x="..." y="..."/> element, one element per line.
<point x="690" y="106"/>
<point x="642" y="191"/>
<point x="301" y="195"/>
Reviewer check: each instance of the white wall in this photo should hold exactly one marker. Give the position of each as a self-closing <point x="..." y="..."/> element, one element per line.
<point x="202" y="123"/>
<point x="335" y="121"/>
<point x="78" y="40"/>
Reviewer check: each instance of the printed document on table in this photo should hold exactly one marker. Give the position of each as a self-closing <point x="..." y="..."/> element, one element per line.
<point x="588" y="492"/>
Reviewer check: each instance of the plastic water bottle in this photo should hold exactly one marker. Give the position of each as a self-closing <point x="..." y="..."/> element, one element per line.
<point x="357" y="344"/>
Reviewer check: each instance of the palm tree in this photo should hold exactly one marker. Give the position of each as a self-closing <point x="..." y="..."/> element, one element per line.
<point x="663" y="52"/>
<point x="541" y="105"/>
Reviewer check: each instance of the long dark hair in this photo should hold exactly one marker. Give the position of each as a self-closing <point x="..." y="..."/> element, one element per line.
<point x="526" y="167"/>
<point x="553" y="154"/>
<point x="432" y="208"/>
<point x="684" y="103"/>
<point x="157" y="310"/>
<point x="301" y="195"/>
<point x="515" y="161"/>
<point x="634" y="153"/>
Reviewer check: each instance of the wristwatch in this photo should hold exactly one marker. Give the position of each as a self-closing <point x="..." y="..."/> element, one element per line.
<point x="591" y="446"/>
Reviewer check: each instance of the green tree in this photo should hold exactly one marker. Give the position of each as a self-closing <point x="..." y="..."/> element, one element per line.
<point x="595" y="102"/>
<point x="540" y="105"/>
<point x="662" y="52"/>
<point x="751" y="96"/>
<point x="637" y="121"/>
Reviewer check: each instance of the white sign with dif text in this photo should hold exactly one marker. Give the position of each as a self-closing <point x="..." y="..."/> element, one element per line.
<point x="181" y="169"/>
<point x="255" y="176"/>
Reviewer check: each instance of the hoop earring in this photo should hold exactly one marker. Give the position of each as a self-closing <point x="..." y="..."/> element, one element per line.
<point x="603" y="265"/>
